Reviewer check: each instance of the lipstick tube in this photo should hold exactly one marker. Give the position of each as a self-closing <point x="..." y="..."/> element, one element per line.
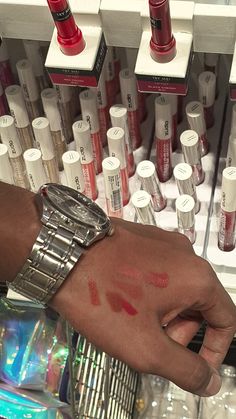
<point x="162" y="43"/>
<point x="10" y="138"/>
<point x="183" y="174"/>
<point x="174" y="111"/>
<point x="18" y="111"/>
<point x="191" y="150"/>
<point x="226" y="235"/>
<point x="117" y="67"/>
<point x="34" y="168"/>
<point x="233" y="121"/>
<point x="44" y="143"/>
<point x="69" y="36"/>
<point x="83" y="144"/>
<point x="6" y="76"/>
<point x="185" y="209"/>
<point x="109" y="73"/>
<point x="119" y="118"/>
<point x="3" y="107"/>
<point x="73" y="170"/>
<point x="149" y="181"/>
<point x="112" y="182"/>
<point x="116" y="146"/>
<point x="207" y="93"/>
<point x="103" y="110"/>
<point x="88" y="102"/>
<point x="163" y="138"/>
<point x="142" y="203"/>
<point x="196" y="121"/>
<point x="129" y="97"/>
<point x="49" y="99"/>
<point x="29" y="88"/>
<point x="6" y="173"/>
<point x="64" y="96"/>
<point x="34" y="55"/>
<point x="231" y="151"/>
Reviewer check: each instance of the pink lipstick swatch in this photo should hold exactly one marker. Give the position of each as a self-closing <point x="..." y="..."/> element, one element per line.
<point x="93" y="292"/>
<point x="159" y="280"/>
<point x="132" y="290"/>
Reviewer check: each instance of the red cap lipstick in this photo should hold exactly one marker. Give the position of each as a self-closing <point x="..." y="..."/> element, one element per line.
<point x="162" y="43"/>
<point x="69" y="36"/>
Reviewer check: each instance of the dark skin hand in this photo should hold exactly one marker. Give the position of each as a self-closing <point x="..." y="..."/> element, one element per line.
<point x="114" y="295"/>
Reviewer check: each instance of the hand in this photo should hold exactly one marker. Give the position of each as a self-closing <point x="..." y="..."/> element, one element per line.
<point x="141" y="295"/>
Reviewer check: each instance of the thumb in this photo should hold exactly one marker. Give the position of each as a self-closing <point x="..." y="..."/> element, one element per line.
<point x="187" y="369"/>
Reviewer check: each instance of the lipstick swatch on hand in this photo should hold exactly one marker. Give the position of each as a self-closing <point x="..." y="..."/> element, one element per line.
<point x="93" y="292"/>
<point x="117" y="304"/>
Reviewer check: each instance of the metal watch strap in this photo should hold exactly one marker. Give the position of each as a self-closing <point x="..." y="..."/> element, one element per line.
<point x="53" y="255"/>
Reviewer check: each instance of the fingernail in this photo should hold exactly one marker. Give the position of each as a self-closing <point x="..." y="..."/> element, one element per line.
<point x="213" y="386"/>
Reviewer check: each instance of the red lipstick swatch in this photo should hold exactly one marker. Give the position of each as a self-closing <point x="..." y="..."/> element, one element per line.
<point x="93" y="291"/>
<point x="117" y="304"/>
<point x="159" y="280"/>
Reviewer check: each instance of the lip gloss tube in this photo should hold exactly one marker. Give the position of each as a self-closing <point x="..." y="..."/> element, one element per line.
<point x="49" y="99"/>
<point x="117" y="68"/>
<point x="162" y="43"/>
<point x="129" y="97"/>
<point x="34" y="55"/>
<point x="109" y="73"/>
<point x="142" y="108"/>
<point x="88" y="102"/>
<point x="142" y="203"/>
<point x="233" y="121"/>
<point x="10" y="138"/>
<point x="185" y="209"/>
<point x="226" y="235"/>
<point x="69" y="36"/>
<point x="191" y="150"/>
<point x="6" y="173"/>
<point x="231" y="152"/>
<point x="73" y="170"/>
<point x="64" y="95"/>
<point x="34" y="168"/>
<point x="174" y="111"/>
<point x="29" y="88"/>
<point x="6" y="76"/>
<point x="103" y="111"/>
<point x="119" y="118"/>
<point x="44" y="143"/>
<point x="116" y="146"/>
<point x="183" y="174"/>
<point x="147" y="174"/>
<point x="207" y="93"/>
<point x="112" y="182"/>
<point x="19" y="112"/>
<point x="83" y="144"/>
<point x="196" y="121"/>
<point x="163" y="138"/>
<point x="3" y="107"/>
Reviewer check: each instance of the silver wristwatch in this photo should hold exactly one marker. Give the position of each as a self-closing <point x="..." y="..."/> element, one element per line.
<point x="71" y="222"/>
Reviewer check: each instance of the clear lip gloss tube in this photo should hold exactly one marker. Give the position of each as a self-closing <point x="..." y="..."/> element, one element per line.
<point x="196" y="121"/>
<point x="88" y="102"/>
<point x="231" y="152"/>
<point x="163" y="138"/>
<point x="226" y="235"/>
<point x="147" y="174"/>
<point x="142" y="203"/>
<point x="112" y="182"/>
<point x="19" y="112"/>
<point x="29" y="88"/>
<point x="73" y="170"/>
<point x="6" y="75"/>
<point x="211" y="63"/>
<point x="129" y="97"/>
<point x="6" y="173"/>
<point x="233" y="121"/>
<point x="103" y="111"/>
<point x="34" y="168"/>
<point x="183" y="174"/>
<point x="109" y="73"/>
<point x="116" y="146"/>
<point x="3" y="107"/>
<point x="34" y="55"/>
<point x="64" y="95"/>
<point x="83" y="144"/>
<point x="119" y="118"/>
<point x="10" y="138"/>
<point x="174" y="111"/>
<point x="69" y="36"/>
<point x="117" y="68"/>
<point x="185" y="209"/>
<point x="162" y="43"/>
<point x="44" y="143"/>
<point x="49" y="99"/>
<point x="207" y="93"/>
<point x="191" y="150"/>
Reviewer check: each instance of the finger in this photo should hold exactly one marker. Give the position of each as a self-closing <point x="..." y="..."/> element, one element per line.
<point x="186" y="369"/>
<point x="181" y="330"/>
